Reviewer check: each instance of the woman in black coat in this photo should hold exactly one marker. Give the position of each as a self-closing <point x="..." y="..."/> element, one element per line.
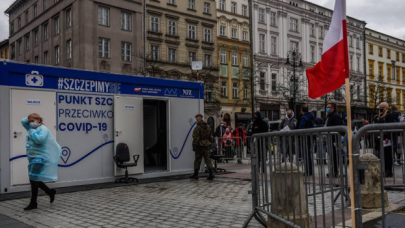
<point x="385" y="117"/>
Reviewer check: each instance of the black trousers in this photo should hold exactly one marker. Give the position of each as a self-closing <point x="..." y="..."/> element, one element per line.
<point x="34" y="189"/>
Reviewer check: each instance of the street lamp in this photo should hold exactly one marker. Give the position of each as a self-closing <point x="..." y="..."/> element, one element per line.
<point x="294" y="59"/>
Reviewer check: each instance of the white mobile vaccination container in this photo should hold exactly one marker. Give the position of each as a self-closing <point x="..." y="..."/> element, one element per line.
<point x="89" y="113"/>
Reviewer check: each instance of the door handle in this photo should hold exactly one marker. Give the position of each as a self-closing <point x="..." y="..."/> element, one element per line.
<point x="117" y="132"/>
<point x="16" y="133"/>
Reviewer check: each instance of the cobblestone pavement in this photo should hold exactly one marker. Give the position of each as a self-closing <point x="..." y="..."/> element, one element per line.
<point x="181" y="203"/>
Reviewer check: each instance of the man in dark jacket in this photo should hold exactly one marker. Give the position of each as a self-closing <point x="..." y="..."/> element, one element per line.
<point x="259" y="126"/>
<point x="291" y="122"/>
<point x="333" y="119"/>
<point x="306" y="121"/>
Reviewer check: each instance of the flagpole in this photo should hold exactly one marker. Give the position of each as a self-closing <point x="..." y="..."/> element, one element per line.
<point x="349" y="120"/>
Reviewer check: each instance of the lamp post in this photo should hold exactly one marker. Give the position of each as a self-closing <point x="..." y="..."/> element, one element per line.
<point x="294" y="59"/>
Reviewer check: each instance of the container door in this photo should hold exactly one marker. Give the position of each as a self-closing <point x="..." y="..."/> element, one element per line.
<point x="24" y="102"/>
<point x="128" y="128"/>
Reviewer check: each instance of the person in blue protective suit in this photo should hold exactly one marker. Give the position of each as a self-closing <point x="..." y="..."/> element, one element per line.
<point x="43" y="154"/>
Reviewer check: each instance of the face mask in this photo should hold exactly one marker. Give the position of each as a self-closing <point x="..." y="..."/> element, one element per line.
<point x="327" y="110"/>
<point x="289" y="116"/>
<point x="34" y="125"/>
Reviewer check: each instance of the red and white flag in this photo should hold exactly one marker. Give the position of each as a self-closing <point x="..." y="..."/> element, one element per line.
<point x="329" y="74"/>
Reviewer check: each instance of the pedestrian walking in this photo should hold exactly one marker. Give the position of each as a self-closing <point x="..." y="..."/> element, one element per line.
<point x="385" y="116"/>
<point x="43" y="153"/>
<point x="220" y="130"/>
<point x="333" y="119"/>
<point x="287" y="124"/>
<point x="306" y="121"/>
<point x="202" y="139"/>
<point x="240" y="136"/>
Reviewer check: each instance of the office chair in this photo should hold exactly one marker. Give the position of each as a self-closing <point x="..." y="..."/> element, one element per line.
<point x="121" y="156"/>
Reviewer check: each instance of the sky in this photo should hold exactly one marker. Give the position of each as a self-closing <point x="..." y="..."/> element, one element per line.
<point x="386" y="16"/>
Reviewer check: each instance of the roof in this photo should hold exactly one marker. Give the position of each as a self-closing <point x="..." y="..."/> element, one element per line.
<point x="4" y="42"/>
<point x="374" y="31"/>
<point x="15" y="4"/>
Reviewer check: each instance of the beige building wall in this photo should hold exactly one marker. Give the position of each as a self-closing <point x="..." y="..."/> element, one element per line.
<point x="29" y="21"/>
<point x="4" y="50"/>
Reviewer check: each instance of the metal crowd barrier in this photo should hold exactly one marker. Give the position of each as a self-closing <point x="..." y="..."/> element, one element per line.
<point x="233" y="149"/>
<point x="300" y="178"/>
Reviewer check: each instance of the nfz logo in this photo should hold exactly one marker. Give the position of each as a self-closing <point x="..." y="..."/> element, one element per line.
<point x="171" y="91"/>
<point x="187" y="92"/>
<point x="137" y="90"/>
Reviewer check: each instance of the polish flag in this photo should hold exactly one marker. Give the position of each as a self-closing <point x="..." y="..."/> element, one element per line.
<point x="329" y="74"/>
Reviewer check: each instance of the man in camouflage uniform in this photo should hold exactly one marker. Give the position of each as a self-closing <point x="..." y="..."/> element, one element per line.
<point x="202" y="139"/>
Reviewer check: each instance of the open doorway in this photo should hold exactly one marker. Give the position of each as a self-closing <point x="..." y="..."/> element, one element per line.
<point x="155" y="135"/>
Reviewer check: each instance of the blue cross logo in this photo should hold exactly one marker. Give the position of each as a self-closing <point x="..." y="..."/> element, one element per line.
<point x="34" y="80"/>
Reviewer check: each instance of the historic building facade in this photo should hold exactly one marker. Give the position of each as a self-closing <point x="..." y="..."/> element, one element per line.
<point x="93" y="35"/>
<point x="234" y="61"/>
<point x="179" y="33"/>
<point x="385" y="70"/>
<point x="281" y="26"/>
<point x="4" y="49"/>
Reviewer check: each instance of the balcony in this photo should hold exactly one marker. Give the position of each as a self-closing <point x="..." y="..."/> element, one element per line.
<point x="208" y="46"/>
<point x="155" y="36"/>
<point x="192" y="43"/>
<point x="171" y="39"/>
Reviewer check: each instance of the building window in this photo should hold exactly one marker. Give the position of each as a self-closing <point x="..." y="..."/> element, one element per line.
<point x="350" y="41"/>
<point x="45" y="32"/>
<point x="125" y="21"/>
<point x="320" y="53"/>
<point x="379" y="70"/>
<point x="294" y="46"/>
<point x="273" y="82"/>
<point x="192" y="56"/>
<point x="172" y="55"/>
<point x="234" y="33"/>
<point x="388" y="54"/>
<point x="19" y="23"/>
<point x="69" y="49"/>
<point x="12" y="52"/>
<point x="45" y="4"/>
<point x="273" y="45"/>
<point x="207" y="60"/>
<point x="222" y="30"/>
<point x="154" y="51"/>
<point x="57" y="59"/>
<point x="370" y="69"/>
<point x="294" y="25"/>
<point x="261" y="15"/>
<point x="233" y="7"/>
<point x="312" y="54"/>
<point x="222" y="4"/>
<point x="191" y="4"/>
<point x="191" y="31"/>
<point x="208" y="92"/>
<point x="245" y="91"/>
<point x="234" y="58"/>
<point x="223" y="56"/>
<point x="262" y="38"/>
<point x="262" y="81"/>
<point x="171" y="2"/>
<point x="27" y="43"/>
<point x="56" y="22"/>
<point x="172" y="28"/>
<point x="351" y="62"/>
<point x="12" y="28"/>
<point x="154" y="24"/>
<point x="245" y="36"/>
<point x="103" y="48"/>
<point x="358" y="63"/>
<point x="224" y="90"/>
<point x="370" y="49"/>
<point x="320" y="32"/>
<point x="68" y="18"/>
<point x="207" y="35"/>
<point x="126" y="52"/>
<point x="245" y="60"/>
<point x="235" y="90"/>
<point x="397" y="55"/>
<point x="357" y="43"/>
<point x="224" y="70"/>
<point x="36" y="60"/>
<point x="36" y="39"/>
<point x="403" y="58"/>
<point x="207" y="8"/>
<point x="46" y="58"/>
<point x="273" y="18"/>
<point x="380" y="51"/>
<point x="312" y="30"/>
<point x="35" y="10"/>
<point x="103" y="16"/>
<point x="27" y="17"/>
<point x="244" y="10"/>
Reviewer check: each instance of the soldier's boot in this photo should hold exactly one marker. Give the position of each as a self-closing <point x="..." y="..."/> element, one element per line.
<point x="211" y="176"/>
<point x="195" y="175"/>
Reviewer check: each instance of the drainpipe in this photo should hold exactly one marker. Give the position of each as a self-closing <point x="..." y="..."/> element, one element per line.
<point x="144" y="39"/>
<point x="365" y="67"/>
<point x="252" y="89"/>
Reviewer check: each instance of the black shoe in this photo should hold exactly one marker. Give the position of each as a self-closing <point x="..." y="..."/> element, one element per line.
<point x="211" y="176"/>
<point x="52" y="195"/>
<point x="195" y="175"/>
<point x="334" y="175"/>
<point x="31" y="207"/>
